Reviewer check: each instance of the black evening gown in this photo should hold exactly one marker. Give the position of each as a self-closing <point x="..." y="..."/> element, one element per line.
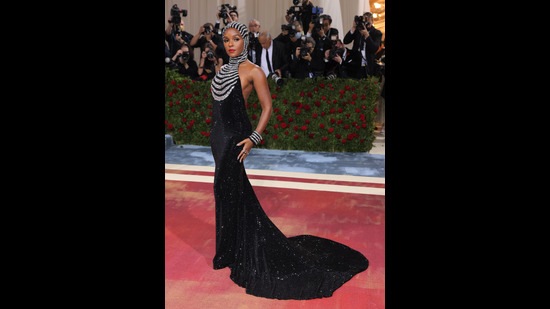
<point x="262" y="259"/>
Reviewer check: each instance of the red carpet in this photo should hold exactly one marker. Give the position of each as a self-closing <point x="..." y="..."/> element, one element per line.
<point x="354" y="219"/>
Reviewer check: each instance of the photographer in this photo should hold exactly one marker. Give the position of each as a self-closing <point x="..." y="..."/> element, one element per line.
<point x="175" y="33"/>
<point x="284" y="37"/>
<point x="206" y="34"/>
<point x="299" y="37"/>
<point x="253" y="44"/>
<point x="228" y="14"/>
<point x="291" y="36"/>
<point x="366" y="42"/>
<point x="300" y="13"/>
<point x="271" y="56"/>
<point x="185" y="64"/>
<point x="302" y="64"/>
<point x="338" y="61"/>
<point x="210" y="63"/>
<point x="320" y="29"/>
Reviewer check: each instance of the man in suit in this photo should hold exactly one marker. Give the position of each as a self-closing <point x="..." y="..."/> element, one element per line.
<point x="277" y="58"/>
<point x="340" y="65"/>
<point x="253" y="32"/>
<point x="366" y="42"/>
<point x="323" y="33"/>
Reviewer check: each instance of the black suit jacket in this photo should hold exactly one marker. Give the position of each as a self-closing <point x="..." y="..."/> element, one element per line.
<point x="346" y="69"/>
<point x="372" y="44"/>
<point x="280" y="58"/>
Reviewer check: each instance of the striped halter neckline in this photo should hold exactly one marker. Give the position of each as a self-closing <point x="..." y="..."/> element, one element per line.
<point x="225" y="80"/>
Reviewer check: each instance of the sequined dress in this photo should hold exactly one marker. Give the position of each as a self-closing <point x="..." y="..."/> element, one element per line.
<point x="262" y="259"/>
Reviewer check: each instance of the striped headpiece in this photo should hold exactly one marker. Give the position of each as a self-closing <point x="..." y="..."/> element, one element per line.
<point x="225" y="79"/>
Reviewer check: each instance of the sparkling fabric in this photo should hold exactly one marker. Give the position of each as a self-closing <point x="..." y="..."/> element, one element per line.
<point x="262" y="259"/>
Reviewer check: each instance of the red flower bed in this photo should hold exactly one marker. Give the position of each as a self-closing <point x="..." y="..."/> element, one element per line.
<point x="312" y="115"/>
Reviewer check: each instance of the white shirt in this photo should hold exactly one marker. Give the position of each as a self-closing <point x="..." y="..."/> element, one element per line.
<point x="344" y="54"/>
<point x="264" y="61"/>
<point x="363" y="51"/>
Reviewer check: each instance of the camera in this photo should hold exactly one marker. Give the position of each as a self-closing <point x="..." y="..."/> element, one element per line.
<point x="210" y="55"/>
<point x="295" y="11"/>
<point x="335" y="51"/>
<point x="278" y="80"/>
<point x="304" y="50"/>
<point x="316" y="17"/>
<point x="207" y="29"/>
<point x="175" y="14"/>
<point x="361" y="22"/>
<point x="316" y="10"/>
<point x="183" y="56"/>
<point x="225" y="9"/>
<point x="290" y="28"/>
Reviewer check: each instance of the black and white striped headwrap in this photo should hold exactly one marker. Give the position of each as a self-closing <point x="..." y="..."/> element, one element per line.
<point x="225" y="79"/>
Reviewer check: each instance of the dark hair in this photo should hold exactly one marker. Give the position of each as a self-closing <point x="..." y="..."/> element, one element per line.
<point x="326" y="16"/>
<point x="185" y="44"/>
<point x="207" y="44"/>
<point x="234" y="11"/>
<point x="189" y="49"/>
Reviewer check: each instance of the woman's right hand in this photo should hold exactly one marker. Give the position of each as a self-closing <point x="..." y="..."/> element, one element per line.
<point x="247" y="146"/>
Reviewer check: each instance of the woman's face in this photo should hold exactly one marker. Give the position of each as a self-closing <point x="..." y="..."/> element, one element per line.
<point x="233" y="42"/>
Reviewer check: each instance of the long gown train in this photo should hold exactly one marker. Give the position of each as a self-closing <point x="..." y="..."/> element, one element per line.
<point x="262" y="259"/>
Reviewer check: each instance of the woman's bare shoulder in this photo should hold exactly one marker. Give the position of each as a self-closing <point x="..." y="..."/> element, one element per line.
<point x="251" y="69"/>
<point x="249" y="66"/>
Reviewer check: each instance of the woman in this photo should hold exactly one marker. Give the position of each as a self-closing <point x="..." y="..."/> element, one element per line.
<point x="185" y="63"/>
<point x="209" y="63"/>
<point x="261" y="258"/>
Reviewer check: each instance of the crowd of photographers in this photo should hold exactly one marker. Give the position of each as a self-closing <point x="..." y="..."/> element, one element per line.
<point x="306" y="47"/>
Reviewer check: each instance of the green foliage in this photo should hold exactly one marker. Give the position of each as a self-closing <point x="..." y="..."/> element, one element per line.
<point x="312" y="114"/>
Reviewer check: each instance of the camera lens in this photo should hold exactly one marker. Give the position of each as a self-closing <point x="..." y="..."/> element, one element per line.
<point x="278" y="80"/>
<point x="304" y="51"/>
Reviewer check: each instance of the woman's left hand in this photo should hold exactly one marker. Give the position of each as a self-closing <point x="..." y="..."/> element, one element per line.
<point x="247" y="146"/>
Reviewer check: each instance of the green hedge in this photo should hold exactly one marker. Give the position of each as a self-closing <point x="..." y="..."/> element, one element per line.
<point x="312" y="114"/>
